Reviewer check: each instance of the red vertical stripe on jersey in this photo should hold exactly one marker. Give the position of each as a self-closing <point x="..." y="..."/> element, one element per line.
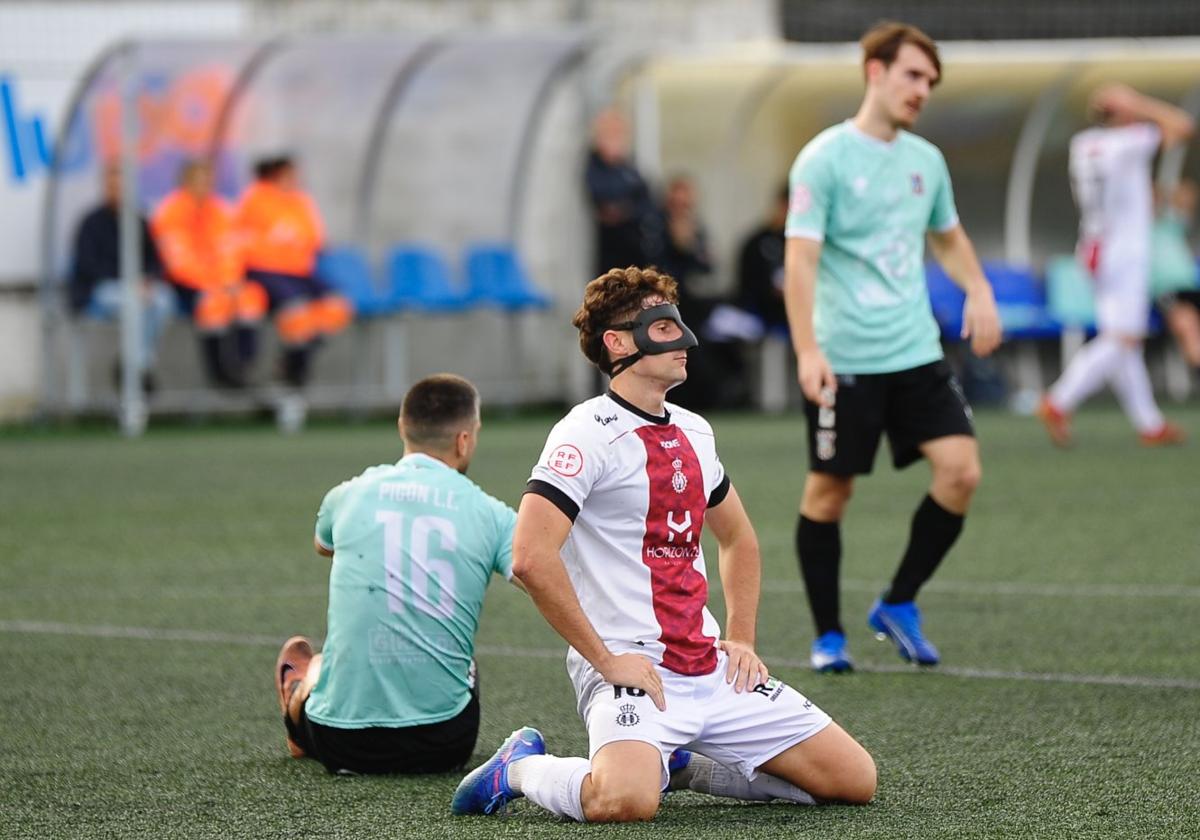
<point x="671" y="546"/>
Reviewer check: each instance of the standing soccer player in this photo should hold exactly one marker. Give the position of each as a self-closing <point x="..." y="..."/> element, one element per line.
<point x="864" y="194"/>
<point x="607" y="544"/>
<point x="1111" y="182"/>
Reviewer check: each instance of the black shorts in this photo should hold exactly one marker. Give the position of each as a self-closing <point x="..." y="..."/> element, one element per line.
<point x="283" y="289"/>
<point x="1188" y="296"/>
<point x="430" y="748"/>
<point x="911" y="406"/>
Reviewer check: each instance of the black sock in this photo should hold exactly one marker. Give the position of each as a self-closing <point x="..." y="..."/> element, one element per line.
<point x="295" y="366"/>
<point x="210" y="353"/>
<point x="819" y="547"/>
<point x="934" y="530"/>
<point x="246" y="338"/>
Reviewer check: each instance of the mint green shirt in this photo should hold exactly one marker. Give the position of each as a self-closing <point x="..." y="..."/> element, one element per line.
<point x="414" y="546"/>
<point x="1172" y="264"/>
<point x="870" y="203"/>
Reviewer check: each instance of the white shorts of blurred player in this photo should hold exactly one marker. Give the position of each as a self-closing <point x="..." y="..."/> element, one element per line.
<point x="1123" y="290"/>
<point x="704" y="714"/>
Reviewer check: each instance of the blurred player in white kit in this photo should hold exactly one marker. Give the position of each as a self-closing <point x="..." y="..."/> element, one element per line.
<point x="1110" y="166"/>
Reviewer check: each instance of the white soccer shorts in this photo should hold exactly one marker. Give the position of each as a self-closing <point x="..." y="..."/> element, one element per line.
<point x="742" y="731"/>
<point x="1123" y="292"/>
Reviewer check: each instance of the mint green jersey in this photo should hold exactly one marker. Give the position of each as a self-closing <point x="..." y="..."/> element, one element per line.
<point x="1172" y="265"/>
<point x="414" y="546"/>
<point x="870" y="203"/>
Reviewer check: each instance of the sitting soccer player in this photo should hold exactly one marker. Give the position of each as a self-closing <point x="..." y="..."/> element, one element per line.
<point x="414" y="545"/>
<point x="607" y="544"/>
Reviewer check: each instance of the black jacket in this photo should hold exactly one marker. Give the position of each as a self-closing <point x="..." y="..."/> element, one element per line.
<point x="97" y="254"/>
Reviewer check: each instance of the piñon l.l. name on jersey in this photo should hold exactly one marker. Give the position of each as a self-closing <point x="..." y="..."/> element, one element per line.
<point x="415" y="544"/>
<point x="637" y="488"/>
<point x="870" y="203"/>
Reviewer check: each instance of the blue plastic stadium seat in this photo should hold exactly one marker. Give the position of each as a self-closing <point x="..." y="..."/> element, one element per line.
<point x="496" y="277"/>
<point x="946" y="299"/>
<point x="346" y="269"/>
<point x="418" y="278"/>
<point x="1021" y="300"/>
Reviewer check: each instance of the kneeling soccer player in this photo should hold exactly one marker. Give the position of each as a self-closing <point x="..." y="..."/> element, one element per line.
<point x="414" y="545"/>
<point x="607" y="544"/>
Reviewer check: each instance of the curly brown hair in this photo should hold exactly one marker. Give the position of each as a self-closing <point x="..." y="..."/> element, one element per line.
<point x="614" y="298"/>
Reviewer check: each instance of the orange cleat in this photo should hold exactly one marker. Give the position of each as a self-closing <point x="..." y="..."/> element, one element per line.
<point x="1057" y="423"/>
<point x="1166" y="435"/>
<point x="290" y="670"/>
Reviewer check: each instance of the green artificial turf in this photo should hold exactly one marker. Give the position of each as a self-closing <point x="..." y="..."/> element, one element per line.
<point x="1067" y="706"/>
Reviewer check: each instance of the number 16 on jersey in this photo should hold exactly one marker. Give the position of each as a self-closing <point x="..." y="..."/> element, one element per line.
<point x="430" y="587"/>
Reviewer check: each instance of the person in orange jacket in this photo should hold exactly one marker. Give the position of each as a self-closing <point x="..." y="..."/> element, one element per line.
<point x="194" y="230"/>
<point x="281" y="234"/>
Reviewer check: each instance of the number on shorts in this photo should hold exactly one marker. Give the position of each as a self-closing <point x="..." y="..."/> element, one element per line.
<point x="632" y="692"/>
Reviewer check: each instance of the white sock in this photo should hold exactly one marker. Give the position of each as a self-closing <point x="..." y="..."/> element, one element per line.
<point x="704" y="775"/>
<point x="1087" y="371"/>
<point x="552" y="782"/>
<point x="1131" y="383"/>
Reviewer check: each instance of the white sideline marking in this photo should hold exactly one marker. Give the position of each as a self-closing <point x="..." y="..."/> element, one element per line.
<point x="793" y="586"/>
<point x="153" y="634"/>
<point x="1048" y="590"/>
<point x="173" y="593"/>
<point x="157" y="634"/>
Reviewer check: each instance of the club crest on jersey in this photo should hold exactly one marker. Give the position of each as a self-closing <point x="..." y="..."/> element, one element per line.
<point x="826" y="444"/>
<point x="678" y="480"/>
<point x="918" y="185"/>
<point x="566" y="460"/>
<point x="628" y="715"/>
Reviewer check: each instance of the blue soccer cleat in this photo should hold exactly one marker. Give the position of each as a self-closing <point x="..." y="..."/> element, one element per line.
<point x="829" y="654"/>
<point x="902" y="624"/>
<point x="485" y="789"/>
<point x="679" y="760"/>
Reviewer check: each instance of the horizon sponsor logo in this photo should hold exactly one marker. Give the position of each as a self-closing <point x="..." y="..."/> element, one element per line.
<point x="672" y="552"/>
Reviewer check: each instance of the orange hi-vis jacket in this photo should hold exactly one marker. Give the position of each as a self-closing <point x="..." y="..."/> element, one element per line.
<point x="197" y="241"/>
<point x="281" y="230"/>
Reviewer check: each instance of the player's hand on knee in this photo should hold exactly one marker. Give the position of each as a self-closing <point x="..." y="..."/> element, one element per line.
<point x="744" y="669"/>
<point x="632" y="670"/>
<point x="816" y="377"/>
<point x="981" y="323"/>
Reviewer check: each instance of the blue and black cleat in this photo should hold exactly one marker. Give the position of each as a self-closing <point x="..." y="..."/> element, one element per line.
<point x="485" y="789"/>
<point x="902" y="624"/>
<point x="829" y="654"/>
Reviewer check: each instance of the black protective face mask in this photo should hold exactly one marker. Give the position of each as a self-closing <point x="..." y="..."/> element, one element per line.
<point x="640" y="327"/>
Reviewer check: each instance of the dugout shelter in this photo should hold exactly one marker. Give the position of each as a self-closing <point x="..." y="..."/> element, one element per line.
<point x="448" y="168"/>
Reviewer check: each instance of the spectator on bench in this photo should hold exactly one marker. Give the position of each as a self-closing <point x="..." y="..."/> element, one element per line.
<point x="282" y="233"/>
<point x="194" y="230"/>
<point x="95" y="283"/>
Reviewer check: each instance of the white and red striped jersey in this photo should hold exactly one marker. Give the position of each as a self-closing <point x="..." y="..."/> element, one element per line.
<point x="1111" y="182"/>
<point x="636" y="488"/>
